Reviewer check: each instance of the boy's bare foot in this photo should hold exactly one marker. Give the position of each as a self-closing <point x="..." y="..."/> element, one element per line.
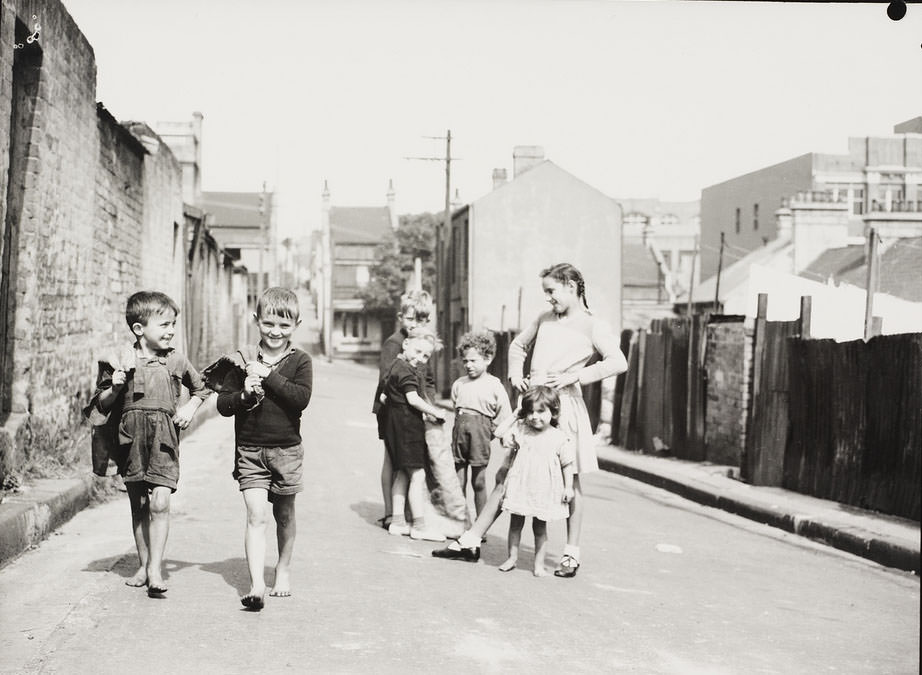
<point x="282" y="587"/>
<point x="507" y="566"/>
<point x="156" y="589"/>
<point x="138" y="579"/>
<point x="253" y="600"/>
<point x="541" y="572"/>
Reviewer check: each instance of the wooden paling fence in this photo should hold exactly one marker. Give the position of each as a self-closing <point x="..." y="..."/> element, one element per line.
<point x="856" y="422"/>
<point x="840" y="421"/>
<point x="659" y="401"/>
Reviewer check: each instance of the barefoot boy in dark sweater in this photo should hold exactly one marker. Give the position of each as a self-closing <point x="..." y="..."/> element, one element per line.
<point x="266" y="404"/>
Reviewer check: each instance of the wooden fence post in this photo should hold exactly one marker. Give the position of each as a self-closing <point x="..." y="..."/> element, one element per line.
<point x="750" y="451"/>
<point x="806" y="306"/>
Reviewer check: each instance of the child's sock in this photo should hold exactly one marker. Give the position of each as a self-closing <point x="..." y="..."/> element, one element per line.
<point x="572" y="551"/>
<point x="398" y="519"/>
<point x="468" y="540"/>
<point x="419" y="523"/>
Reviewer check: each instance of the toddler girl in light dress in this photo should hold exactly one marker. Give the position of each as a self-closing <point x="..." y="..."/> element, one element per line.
<point x="540" y="479"/>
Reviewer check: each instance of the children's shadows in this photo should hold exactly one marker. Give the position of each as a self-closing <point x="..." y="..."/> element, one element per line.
<point x="370" y="512"/>
<point x="233" y="570"/>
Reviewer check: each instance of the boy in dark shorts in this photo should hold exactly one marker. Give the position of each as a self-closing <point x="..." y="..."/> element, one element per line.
<point x="266" y="404"/>
<point x="481" y="404"/>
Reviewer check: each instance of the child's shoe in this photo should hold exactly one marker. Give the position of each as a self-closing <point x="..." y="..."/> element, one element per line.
<point x="425" y="535"/>
<point x="397" y="528"/>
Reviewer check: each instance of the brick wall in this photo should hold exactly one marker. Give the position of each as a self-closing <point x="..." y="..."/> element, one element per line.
<point x="91" y="212"/>
<point x="729" y="349"/>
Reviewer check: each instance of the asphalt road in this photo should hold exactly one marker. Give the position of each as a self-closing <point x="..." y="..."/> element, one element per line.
<point x="667" y="586"/>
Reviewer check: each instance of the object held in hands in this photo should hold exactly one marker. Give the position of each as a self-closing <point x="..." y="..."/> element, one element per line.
<point x="216" y="374"/>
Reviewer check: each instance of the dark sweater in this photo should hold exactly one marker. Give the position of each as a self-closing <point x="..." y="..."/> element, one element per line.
<point x="276" y="421"/>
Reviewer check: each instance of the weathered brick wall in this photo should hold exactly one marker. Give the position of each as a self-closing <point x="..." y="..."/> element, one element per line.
<point x="96" y="214"/>
<point x="50" y="311"/>
<point x="727" y="363"/>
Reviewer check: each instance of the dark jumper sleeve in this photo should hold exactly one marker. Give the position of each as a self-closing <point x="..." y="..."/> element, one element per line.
<point x="230" y="401"/>
<point x="293" y="394"/>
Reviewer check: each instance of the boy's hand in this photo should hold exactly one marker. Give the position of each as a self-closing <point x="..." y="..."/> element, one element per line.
<point x="118" y="379"/>
<point x="438" y="417"/>
<point x="253" y="384"/>
<point x="257" y="368"/>
<point x="382" y="398"/>
<point x="568" y="495"/>
<point x="184" y="414"/>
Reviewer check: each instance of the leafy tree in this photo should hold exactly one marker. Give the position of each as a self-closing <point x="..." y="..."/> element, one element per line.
<point x="413" y="238"/>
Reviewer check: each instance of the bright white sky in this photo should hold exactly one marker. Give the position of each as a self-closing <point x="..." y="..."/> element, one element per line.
<point x="639" y="99"/>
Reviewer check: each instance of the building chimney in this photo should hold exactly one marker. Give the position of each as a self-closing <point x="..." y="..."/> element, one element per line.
<point x="525" y="157"/>
<point x="392" y="203"/>
<point x="784" y="223"/>
<point x="499" y="178"/>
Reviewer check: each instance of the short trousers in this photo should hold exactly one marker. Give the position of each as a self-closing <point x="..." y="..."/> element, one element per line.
<point x="470" y="438"/>
<point x="277" y="470"/>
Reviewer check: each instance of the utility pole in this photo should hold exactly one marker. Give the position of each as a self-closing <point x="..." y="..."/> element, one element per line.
<point x="873" y="281"/>
<point x="720" y="264"/>
<point x="262" y="241"/>
<point x="441" y="289"/>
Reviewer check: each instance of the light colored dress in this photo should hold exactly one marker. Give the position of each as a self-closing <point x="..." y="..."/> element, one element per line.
<point x="534" y="485"/>
<point x="565" y="345"/>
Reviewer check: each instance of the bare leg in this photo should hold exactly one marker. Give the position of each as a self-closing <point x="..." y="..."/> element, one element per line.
<point x="159" y="531"/>
<point x="539" y="527"/>
<point x="516" y="523"/>
<point x="140" y="522"/>
<point x="479" y="483"/>
<point x="415" y="492"/>
<point x="461" y="470"/>
<point x="399" y="500"/>
<point x="575" y="521"/>
<point x="487" y="516"/>
<point x="283" y="508"/>
<point x="387" y="484"/>
<point x="254" y="543"/>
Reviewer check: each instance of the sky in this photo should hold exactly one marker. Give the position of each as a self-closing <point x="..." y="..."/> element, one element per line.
<point x="638" y="99"/>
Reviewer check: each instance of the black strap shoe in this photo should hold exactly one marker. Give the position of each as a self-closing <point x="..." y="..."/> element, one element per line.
<point x="463" y="553"/>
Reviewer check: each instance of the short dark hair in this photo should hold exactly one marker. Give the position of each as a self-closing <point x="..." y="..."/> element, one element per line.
<point x="483" y="342"/>
<point x="279" y="301"/>
<point x="143" y="305"/>
<point x="537" y="396"/>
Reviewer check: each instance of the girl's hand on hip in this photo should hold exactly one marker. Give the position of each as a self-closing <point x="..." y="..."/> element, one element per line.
<point x="519" y="383"/>
<point x="561" y="380"/>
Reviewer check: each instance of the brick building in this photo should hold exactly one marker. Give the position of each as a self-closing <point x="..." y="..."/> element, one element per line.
<point x="878" y="175"/>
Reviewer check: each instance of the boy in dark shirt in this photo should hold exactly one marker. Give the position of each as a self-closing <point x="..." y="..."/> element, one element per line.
<point x="266" y="405"/>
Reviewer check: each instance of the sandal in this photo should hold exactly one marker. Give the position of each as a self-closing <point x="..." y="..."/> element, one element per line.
<point x="567" y="567"/>
<point x="385" y="521"/>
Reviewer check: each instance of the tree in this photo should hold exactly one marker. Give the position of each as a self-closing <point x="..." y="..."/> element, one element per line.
<point x="413" y="238"/>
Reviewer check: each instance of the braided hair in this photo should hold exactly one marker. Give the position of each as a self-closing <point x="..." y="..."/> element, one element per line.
<point x="564" y="273"/>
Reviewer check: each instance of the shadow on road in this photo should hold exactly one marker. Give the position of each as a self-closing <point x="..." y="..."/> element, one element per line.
<point x="234" y="572"/>
<point x="370" y="512"/>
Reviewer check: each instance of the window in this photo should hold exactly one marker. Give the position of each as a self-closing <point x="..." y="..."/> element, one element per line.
<point x="755" y="216"/>
<point x="736" y="221"/>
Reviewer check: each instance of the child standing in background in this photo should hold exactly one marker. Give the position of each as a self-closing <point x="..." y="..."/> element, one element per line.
<point x="415" y="309"/>
<point x="135" y="408"/>
<point x="405" y="433"/>
<point x="540" y="480"/>
<point x="481" y="404"/>
<point x="266" y="405"/>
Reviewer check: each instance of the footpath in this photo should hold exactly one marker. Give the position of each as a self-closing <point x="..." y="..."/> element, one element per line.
<point x="29" y="516"/>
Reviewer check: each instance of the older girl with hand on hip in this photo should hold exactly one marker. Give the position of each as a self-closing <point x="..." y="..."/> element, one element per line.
<point x="562" y="340"/>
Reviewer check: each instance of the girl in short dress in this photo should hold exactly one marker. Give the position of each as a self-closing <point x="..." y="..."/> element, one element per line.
<point x="563" y="341"/>
<point x="404" y="433"/>
<point x="540" y="480"/>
